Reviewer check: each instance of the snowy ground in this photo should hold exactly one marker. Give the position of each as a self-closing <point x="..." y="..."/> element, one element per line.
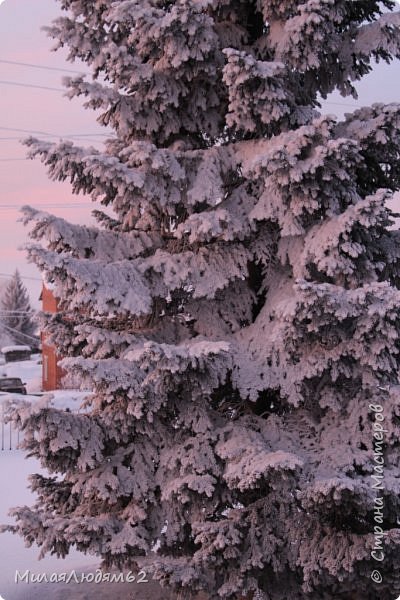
<point x="14" y="472"/>
<point x="14" y="556"/>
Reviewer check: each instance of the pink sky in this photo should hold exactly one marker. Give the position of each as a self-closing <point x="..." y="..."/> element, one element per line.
<point x="25" y="182"/>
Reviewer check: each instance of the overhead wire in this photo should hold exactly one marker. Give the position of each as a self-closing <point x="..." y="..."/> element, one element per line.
<point x="25" y="335"/>
<point x="58" y="207"/>
<point x="45" y="205"/>
<point x="78" y="72"/>
<point x="79" y="137"/>
<point x="32" y="85"/>
<point x="86" y="73"/>
<point x="12" y="159"/>
<point x="54" y="89"/>
<point x="44" y="67"/>
<point x="84" y="136"/>
<point x="10" y="275"/>
<point x="15" y="312"/>
<point x="50" y="134"/>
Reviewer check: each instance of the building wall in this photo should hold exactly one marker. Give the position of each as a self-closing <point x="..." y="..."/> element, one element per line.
<point x="52" y="373"/>
<point x="49" y="302"/>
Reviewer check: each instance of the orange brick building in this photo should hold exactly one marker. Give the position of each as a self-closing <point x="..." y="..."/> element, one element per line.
<point x="51" y="371"/>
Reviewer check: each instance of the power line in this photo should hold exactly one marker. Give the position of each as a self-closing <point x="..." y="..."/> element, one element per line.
<point x="47" y="204"/>
<point x="66" y="204"/>
<point x="12" y="159"/>
<point x="17" y="159"/>
<point x="41" y="87"/>
<point x="31" y="85"/>
<point x="77" y="140"/>
<point x="15" y="312"/>
<point x="19" y="332"/>
<point x="45" y="67"/>
<point x="56" y="206"/>
<point x="8" y="275"/>
<point x="77" y="72"/>
<point x="47" y="133"/>
<point x="50" y="205"/>
<point x="78" y="136"/>
<point x="5" y="311"/>
<point x="343" y="104"/>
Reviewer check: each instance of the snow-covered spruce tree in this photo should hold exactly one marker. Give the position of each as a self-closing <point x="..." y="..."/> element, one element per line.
<point x="16" y="313"/>
<point x="238" y="311"/>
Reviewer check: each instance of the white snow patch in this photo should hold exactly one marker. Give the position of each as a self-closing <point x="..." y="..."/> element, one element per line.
<point x="67" y="399"/>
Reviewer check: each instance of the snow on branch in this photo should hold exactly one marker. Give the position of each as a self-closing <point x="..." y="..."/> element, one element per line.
<point x="81" y="241"/>
<point x="115" y="287"/>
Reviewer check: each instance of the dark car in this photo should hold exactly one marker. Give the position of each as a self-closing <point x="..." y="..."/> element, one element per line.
<point x="12" y="384"/>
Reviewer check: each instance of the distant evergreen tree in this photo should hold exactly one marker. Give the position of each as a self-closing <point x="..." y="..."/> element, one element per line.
<point x="16" y="312"/>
